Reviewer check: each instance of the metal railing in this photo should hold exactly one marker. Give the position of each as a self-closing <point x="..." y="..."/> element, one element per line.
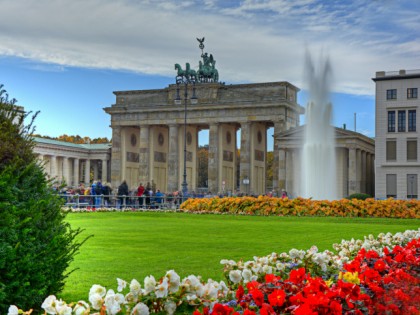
<point x="122" y="202"/>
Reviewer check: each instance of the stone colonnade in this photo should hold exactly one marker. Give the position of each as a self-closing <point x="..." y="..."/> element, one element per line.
<point x="148" y="134"/>
<point x="355" y="160"/>
<point x="73" y="163"/>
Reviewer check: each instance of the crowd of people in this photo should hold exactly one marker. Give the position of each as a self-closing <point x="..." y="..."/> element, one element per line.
<point x="102" y="195"/>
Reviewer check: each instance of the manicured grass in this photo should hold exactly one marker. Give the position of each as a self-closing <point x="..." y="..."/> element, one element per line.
<point x="135" y="245"/>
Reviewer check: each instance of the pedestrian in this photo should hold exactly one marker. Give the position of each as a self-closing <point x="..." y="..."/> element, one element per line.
<point x="284" y="194"/>
<point x="140" y="192"/>
<point x="122" y="194"/>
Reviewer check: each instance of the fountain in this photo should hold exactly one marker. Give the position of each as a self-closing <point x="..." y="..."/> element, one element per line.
<point x="318" y="160"/>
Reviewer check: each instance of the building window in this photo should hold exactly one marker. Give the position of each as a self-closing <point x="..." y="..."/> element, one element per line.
<point x="412" y="186"/>
<point x="411" y="93"/>
<point x="412" y="120"/>
<point x="401" y="121"/>
<point x="391" y="94"/>
<point x="391" y="150"/>
<point x="411" y="150"/>
<point x="391" y="185"/>
<point x="391" y="121"/>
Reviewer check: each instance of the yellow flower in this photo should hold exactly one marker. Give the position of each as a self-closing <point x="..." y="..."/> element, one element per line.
<point x="351" y="277"/>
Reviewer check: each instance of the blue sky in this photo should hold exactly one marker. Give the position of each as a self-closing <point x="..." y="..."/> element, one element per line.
<point x="65" y="58"/>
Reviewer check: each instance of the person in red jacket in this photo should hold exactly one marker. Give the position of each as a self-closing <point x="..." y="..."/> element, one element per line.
<point x="140" y="192"/>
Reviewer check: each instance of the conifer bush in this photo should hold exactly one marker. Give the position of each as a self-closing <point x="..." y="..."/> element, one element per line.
<point x="36" y="244"/>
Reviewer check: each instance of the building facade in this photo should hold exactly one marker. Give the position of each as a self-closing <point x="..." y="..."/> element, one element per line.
<point x="72" y="163"/>
<point x="397" y="168"/>
<point x="355" y="156"/>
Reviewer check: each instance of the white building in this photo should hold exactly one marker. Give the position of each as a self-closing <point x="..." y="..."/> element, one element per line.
<point x="68" y="162"/>
<point x="397" y="166"/>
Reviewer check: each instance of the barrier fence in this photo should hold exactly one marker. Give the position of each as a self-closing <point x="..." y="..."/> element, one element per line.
<point x="119" y="202"/>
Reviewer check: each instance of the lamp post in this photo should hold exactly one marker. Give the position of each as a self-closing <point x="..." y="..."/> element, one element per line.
<point x="182" y="80"/>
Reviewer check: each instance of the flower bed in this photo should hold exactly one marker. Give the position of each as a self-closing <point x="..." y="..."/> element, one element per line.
<point x="372" y="276"/>
<point x="264" y="205"/>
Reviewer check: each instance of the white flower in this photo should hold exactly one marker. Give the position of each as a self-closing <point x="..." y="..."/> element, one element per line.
<point x="246" y="274"/>
<point x="235" y="276"/>
<point x="13" y="310"/>
<point x="222" y="287"/>
<point x="294" y="253"/>
<point x="170" y="307"/>
<point x="111" y="303"/>
<point x="162" y="289"/>
<point x="135" y="287"/>
<point x="191" y="297"/>
<point x="97" y="289"/>
<point x="140" y="309"/>
<point x="49" y="304"/>
<point x="96" y="301"/>
<point x="280" y="266"/>
<point x="174" y="280"/>
<point x="131" y="298"/>
<point x="80" y="308"/>
<point x="121" y="284"/>
<point x="149" y="284"/>
<point x="267" y="269"/>
<point x="63" y="309"/>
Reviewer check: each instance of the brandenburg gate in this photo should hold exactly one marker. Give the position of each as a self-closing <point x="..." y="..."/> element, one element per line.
<point x="148" y="132"/>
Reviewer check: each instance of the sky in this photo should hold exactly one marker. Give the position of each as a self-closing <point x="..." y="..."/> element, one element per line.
<point x="65" y="58"/>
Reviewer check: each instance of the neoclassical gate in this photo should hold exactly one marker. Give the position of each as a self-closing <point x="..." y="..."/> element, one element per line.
<point x="148" y="131"/>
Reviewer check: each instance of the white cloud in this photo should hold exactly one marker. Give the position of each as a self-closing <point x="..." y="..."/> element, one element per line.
<point x="252" y="41"/>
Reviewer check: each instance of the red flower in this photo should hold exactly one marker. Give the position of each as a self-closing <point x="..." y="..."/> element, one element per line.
<point x="252" y="285"/>
<point x="240" y="293"/>
<point x="353" y="266"/>
<point x="266" y="309"/>
<point x="220" y="309"/>
<point x="297" y="276"/>
<point x="257" y="296"/>
<point x="380" y="265"/>
<point x="271" y="278"/>
<point x="277" y="298"/>
<point x="372" y="254"/>
<point x="248" y="312"/>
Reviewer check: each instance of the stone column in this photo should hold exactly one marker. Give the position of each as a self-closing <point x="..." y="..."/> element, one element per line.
<point x="95" y="167"/>
<point x="53" y="164"/>
<point x="358" y="171"/>
<point x="368" y="174"/>
<point x="173" y="159"/>
<point x="363" y="173"/>
<point x="144" y="155"/>
<point x="281" y="171"/>
<point x="279" y="126"/>
<point x="372" y="172"/>
<point x="87" y="172"/>
<point x="116" y="156"/>
<point x="289" y="170"/>
<point x="66" y="171"/>
<point x="213" y="168"/>
<point x="245" y="157"/>
<point x="352" y="171"/>
<point x="76" y="172"/>
<point x="104" y="177"/>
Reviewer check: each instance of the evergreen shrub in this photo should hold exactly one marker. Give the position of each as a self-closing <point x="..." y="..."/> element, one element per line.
<point x="359" y="196"/>
<point x="36" y="244"/>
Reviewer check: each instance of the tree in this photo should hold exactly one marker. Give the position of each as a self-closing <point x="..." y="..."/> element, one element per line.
<point x="203" y="165"/>
<point x="269" y="169"/>
<point x="36" y="244"/>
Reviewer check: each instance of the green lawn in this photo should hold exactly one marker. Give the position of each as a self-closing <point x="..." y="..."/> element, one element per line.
<point x="135" y="245"/>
